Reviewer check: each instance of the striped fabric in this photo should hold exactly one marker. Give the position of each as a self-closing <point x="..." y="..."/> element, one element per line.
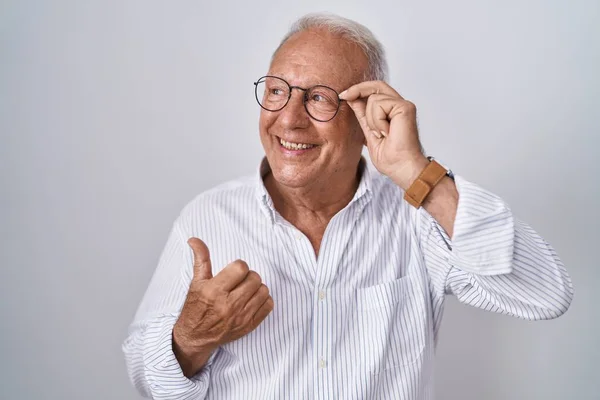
<point x="361" y="320"/>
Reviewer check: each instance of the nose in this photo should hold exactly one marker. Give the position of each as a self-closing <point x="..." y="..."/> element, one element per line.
<point x="294" y="114"/>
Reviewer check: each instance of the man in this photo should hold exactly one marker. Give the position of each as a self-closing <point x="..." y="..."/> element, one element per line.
<point x="326" y="278"/>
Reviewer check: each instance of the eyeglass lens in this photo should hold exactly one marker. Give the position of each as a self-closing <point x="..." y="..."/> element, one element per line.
<point x="273" y="94"/>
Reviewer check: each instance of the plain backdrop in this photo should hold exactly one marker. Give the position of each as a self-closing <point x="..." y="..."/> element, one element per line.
<point x="115" y="114"/>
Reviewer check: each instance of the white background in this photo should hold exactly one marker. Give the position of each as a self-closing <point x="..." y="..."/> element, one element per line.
<point x="115" y="114"/>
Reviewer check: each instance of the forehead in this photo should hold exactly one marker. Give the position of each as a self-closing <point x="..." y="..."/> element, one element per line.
<point x="319" y="57"/>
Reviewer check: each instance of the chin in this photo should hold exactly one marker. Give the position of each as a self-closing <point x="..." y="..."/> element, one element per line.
<point x="293" y="176"/>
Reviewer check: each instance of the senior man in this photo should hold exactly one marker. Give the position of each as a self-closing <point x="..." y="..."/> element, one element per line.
<point x="326" y="277"/>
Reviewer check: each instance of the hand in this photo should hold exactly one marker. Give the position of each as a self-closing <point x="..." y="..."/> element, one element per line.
<point x="389" y="124"/>
<point x="218" y="309"/>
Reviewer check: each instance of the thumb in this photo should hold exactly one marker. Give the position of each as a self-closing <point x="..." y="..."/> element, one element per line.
<point x="202" y="265"/>
<point x="359" y="106"/>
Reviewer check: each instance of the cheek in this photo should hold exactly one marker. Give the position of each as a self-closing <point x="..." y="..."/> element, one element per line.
<point x="265" y="121"/>
<point x="342" y="139"/>
<point x="357" y="134"/>
<point x="350" y="126"/>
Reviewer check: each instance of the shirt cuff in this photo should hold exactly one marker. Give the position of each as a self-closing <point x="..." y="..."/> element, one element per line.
<point x="483" y="239"/>
<point x="162" y="370"/>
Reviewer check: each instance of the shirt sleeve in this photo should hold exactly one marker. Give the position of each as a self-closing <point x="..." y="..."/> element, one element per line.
<point x="151" y="363"/>
<point x="494" y="261"/>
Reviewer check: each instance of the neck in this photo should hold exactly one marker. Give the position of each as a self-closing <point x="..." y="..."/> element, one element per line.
<point x="319" y="201"/>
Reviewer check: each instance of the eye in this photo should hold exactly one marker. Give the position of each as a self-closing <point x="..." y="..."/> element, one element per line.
<point x="322" y="95"/>
<point x="277" y="91"/>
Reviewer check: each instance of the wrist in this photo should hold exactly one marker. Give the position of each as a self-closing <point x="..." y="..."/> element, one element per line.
<point x="409" y="171"/>
<point x="191" y="357"/>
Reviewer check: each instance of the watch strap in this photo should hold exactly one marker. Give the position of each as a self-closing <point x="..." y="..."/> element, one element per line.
<point x="418" y="191"/>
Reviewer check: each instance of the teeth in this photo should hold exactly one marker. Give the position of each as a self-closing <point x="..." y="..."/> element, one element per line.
<point x="295" y="146"/>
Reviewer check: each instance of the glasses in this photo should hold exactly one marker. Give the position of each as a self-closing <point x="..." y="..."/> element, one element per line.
<point x="273" y="94"/>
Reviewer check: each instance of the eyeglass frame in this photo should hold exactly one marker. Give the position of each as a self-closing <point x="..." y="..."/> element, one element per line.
<point x="304" y="97"/>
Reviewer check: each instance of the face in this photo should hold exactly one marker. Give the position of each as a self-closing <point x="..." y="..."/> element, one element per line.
<point x="307" y="59"/>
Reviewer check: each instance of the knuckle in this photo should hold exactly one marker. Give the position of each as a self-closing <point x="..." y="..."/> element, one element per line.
<point x="241" y="266"/>
<point x="254" y="276"/>
<point x="264" y="289"/>
<point x="207" y="290"/>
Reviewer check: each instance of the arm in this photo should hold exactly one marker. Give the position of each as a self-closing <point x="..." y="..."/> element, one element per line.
<point x="493" y="261"/>
<point x="151" y="362"/>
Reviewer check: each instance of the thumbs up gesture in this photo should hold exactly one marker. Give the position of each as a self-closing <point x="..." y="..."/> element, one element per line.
<point x="217" y="310"/>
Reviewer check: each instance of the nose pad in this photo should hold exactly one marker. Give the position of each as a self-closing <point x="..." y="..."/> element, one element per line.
<point x="294" y="113"/>
<point x="297" y="99"/>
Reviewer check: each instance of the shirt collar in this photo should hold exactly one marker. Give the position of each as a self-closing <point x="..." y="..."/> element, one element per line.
<point x="266" y="202"/>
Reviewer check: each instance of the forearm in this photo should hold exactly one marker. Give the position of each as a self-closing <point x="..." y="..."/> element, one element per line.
<point x="537" y="287"/>
<point x="151" y="362"/>
<point x="494" y="261"/>
<point x="442" y="201"/>
<point x="153" y="367"/>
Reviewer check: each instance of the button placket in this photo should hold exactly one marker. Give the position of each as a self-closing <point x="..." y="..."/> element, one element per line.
<point x="335" y="240"/>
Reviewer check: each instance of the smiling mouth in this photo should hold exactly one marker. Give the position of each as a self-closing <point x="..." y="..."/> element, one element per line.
<point x="295" y="146"/>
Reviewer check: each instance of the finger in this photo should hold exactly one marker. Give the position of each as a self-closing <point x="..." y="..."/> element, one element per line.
<point x="262" y="313"/>
<point x="232" y="275"/>
<point x="359" y="108"/>
<point x="377" y="113"/>
<point x="247" y="288"/>
<point x="372" y="139"/>
<point x="257" y="300"/>
<point x="202" y="264"/>
<point x="366" y="89"/>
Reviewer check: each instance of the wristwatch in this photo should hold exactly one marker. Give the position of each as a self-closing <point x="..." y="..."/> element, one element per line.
<point x="449" y="172"/>
<point x="431" y="175"/>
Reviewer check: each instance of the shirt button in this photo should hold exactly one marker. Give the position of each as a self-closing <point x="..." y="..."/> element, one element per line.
<point x="321" y="294"/>
<point x="322" y="363"/>
<point x="298" y="236"/>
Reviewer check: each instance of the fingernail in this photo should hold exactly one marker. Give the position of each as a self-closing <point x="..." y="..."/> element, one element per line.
<point x="343" y="94"/>
<point x="383" y="134"/>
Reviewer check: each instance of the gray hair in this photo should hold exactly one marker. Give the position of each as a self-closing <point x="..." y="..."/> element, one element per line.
<point x="350" y="30"/>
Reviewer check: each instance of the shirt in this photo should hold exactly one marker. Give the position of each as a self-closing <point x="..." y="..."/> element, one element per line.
<point x="360" y="321"/>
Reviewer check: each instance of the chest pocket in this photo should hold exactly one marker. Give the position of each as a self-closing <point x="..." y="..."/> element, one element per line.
<point x="392" y="323"/>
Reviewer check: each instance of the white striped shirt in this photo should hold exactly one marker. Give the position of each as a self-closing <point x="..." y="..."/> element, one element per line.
<point x="360" y="321"/>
